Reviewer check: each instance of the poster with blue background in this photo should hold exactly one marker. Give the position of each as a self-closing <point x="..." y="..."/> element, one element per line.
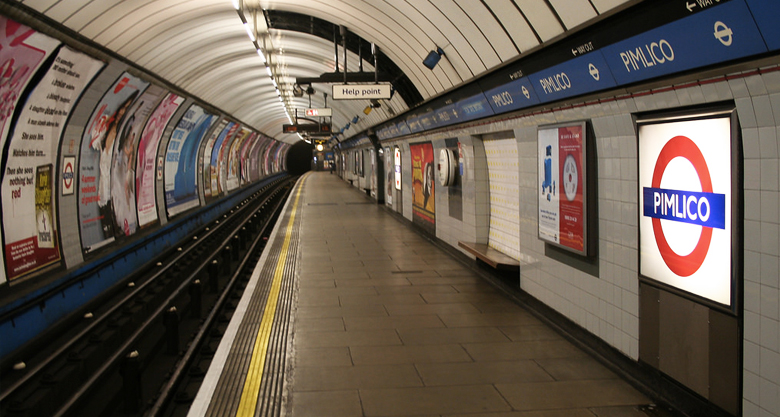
<point x="181" y="157"/>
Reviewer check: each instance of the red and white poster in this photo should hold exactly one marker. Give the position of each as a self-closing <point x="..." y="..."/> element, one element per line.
<point x="561" y="186"/>
<point x="685" y="197"/>
<point x="28" y="187"/>
<point x="22" y="52"/>
<point x="147" y="152"/>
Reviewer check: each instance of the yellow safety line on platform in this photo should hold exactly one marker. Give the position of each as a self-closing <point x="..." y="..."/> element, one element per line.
<point x="248" y="403"/>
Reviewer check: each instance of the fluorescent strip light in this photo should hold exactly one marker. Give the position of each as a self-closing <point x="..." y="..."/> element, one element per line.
<point x="268" y="69"/>
<point x="235" y="5"/>
<point x="262" y="55"/>
<point x="249" y="31"/>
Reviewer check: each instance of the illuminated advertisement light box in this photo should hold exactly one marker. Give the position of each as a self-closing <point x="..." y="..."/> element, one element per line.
<point x="686" y="194"/>
<point x="562" y="186"/>
<point x="397" y="168"/>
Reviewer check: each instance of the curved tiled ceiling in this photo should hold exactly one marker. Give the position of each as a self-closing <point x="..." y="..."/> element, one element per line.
<point x="202" y="47"/>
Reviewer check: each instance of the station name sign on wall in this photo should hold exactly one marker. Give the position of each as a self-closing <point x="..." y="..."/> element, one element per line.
<point x="685" y="204"/>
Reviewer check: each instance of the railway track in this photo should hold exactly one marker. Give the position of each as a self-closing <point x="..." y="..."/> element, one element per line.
<point x="143" y="351"/>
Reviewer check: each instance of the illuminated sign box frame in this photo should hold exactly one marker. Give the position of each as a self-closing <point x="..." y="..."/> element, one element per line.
<point x="562" y="184"/>
<point x="694" y="146"/>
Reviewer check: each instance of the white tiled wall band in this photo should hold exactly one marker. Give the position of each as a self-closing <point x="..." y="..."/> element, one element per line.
<point x="503" y="175"/>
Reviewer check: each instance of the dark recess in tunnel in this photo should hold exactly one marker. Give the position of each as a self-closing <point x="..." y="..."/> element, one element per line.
<point x="299" y="158"/>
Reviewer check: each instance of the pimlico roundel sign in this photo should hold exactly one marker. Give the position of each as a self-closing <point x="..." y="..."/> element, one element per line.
<point x="685" y="205"/>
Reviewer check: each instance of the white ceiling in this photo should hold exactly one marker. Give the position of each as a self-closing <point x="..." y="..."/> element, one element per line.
<point x="202" y="47"/>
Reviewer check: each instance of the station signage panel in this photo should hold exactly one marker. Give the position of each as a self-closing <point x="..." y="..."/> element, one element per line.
<point x="685" y="203"/>
<point x="474" y="107"/>
<point x="68" y="169"/>
<point x="326" y="112"/>
<point x="361" y="91"/>
<point x="767" y="14"/>
<point x="581" y="75"/>
<point x="514" y="95"/>
<point x="718" y="34"/>
<point x="562" y="186"/>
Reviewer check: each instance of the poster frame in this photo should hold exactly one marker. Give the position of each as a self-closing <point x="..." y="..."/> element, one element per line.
<point x="736" y="280"/>
<point x="583" y="180"/>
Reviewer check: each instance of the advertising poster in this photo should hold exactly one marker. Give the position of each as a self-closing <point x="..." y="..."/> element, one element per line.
<point x="147" y="154"/>
<point x="281" y="157"/>
<point x="181" y="158"/>
<point x="562" y="216"/>
<point x="22" y="52"/>
<point x="269" y="156"/>
<point x="244" y="158"/>
<point x="219" y="159"/>
<point x="123" y="167"/>
<point x="254" y="158"/>
<point x="233" y="160"/>
<point x="685" y="200"/>
<point x="96" y="210"/>
<point x="390" y="174"/>
<point x="28" y="184"/>
<point x="423" y="187"/>
<point x="397" y="161"/>
<point x="209" y="149"/>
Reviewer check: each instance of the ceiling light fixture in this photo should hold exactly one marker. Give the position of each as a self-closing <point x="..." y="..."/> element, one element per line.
<point x="263" y="44"/>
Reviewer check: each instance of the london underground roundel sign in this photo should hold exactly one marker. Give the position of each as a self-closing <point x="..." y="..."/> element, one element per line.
<point x="685" y="205"/>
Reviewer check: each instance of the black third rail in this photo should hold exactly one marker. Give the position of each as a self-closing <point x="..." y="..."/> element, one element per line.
<point x="137" y="352"/>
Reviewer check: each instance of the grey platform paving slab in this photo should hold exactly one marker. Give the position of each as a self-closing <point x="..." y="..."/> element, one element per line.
<point x="386" y="324"/>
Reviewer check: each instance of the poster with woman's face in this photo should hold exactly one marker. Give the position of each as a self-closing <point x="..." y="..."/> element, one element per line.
<point x="96" y="212"/>
<point x="423" y="188"/>
<point x="28" y="186"/>
<point x="123" y="167"/>
<point x="145" y="167"/>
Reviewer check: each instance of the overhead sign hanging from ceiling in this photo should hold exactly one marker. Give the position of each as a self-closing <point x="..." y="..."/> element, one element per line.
<point x="327" y="112"/>
<point x="361" y="91"/>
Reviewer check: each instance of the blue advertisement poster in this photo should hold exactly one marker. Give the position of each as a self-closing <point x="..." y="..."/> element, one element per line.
<point x="181" y="158"/>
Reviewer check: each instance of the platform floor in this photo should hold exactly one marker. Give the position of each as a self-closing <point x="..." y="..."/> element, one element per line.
<point x="384" y="323"/>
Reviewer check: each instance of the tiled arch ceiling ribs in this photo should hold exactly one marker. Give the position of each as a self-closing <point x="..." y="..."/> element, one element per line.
<point x="296" y="22"/>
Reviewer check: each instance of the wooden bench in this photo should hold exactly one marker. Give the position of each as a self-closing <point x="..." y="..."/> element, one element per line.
<point x="491" y="256"/>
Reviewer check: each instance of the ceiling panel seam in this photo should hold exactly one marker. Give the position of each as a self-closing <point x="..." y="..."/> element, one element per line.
<point x="557" y="16"/>
<point x="434" y="83"/>
<point x="167" y="25"/>
<point x="492" y="13"/>
<point x="479" y="28"/>
<point x="401" y="63"/>
<point x="530" y="25"/>
<point x="458" y="53"/>
<point x="433" y="42"/>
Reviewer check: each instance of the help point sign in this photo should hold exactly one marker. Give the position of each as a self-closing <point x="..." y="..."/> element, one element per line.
<point x="685" y="205"/>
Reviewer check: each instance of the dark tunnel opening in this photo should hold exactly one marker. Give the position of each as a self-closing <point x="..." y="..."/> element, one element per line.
<point x="299" y="158"/>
